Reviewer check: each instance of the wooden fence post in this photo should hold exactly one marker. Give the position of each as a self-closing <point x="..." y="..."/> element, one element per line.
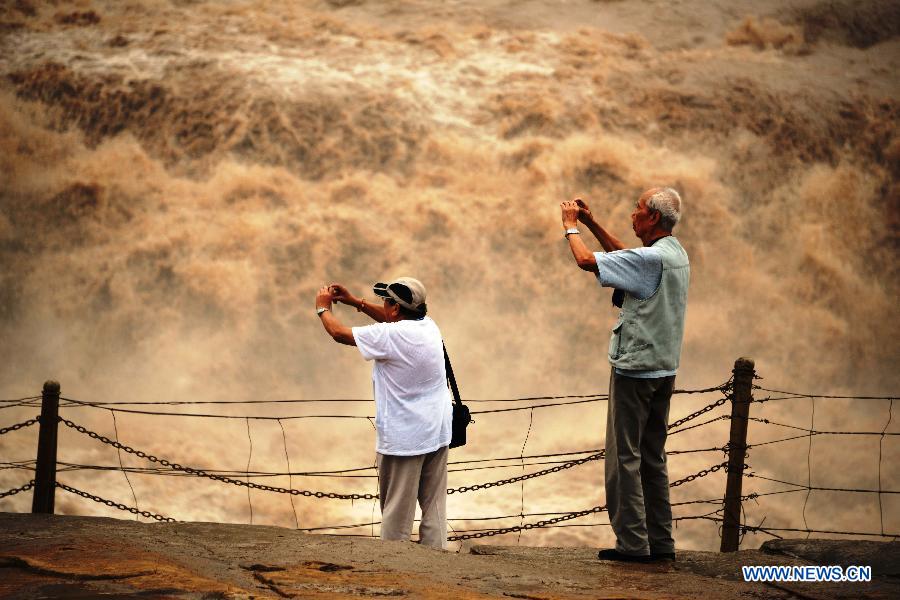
<point x="44" y="496"/>
<point x="737" y="448"/>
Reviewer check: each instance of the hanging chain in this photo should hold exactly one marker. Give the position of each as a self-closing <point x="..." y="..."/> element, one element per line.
<point x="222" y="478"/>
<point x="574" y="515"/>
<point x="111" y="504"/>
<point x="17" y="490"/>
<point x="702" y="411"/>
<point x="21" y="425"/>
<point x="306" y="493"/>
<point x="556" y="469"/>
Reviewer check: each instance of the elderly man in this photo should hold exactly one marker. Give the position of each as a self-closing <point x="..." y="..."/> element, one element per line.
<point x="651" y="285"/>
<point x="413" y="412"/>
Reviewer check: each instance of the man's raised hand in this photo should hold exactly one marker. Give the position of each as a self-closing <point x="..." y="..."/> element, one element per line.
<point x="569" y="213"/>
<point x="323" y="298"/>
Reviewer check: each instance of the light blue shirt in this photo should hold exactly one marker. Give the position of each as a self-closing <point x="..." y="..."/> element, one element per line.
<point x="637" y="271"/>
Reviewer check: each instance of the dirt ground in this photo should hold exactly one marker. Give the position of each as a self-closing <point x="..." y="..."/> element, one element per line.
<point x="87" y="557"/>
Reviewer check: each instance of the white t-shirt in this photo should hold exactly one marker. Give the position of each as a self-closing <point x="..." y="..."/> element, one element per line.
<point x="413" y="407"/>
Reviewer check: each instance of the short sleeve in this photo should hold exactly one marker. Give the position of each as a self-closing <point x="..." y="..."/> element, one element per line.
<point x="636" y="270"/>
<point x="373" y="341"/>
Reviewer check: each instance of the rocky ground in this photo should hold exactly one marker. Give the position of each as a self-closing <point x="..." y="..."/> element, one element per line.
<point x="86" y="557"/>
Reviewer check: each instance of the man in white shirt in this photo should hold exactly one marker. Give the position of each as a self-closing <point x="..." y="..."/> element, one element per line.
<point x="413" y="408"/>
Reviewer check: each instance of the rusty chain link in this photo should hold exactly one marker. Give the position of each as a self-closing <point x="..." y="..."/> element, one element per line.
<point x="556" y="469"/>
<point x="574" y="515"/>
<point x="17" y="490"/>
<point x="21" y="425"/>
<point x="111" y="504"/>
<point x="527" y="526"/>
<point x="702" y="411"/>
<point x="703" y="473"/>
<point x="222" y="478"/>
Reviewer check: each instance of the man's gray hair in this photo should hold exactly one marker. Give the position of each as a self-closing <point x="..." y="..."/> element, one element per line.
<point x="668" y="203"/>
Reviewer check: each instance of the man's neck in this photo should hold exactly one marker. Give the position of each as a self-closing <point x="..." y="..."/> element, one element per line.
<point x="653" y="237"/>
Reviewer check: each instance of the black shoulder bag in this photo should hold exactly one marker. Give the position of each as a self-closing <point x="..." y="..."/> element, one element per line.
<point x="461" y="415"/>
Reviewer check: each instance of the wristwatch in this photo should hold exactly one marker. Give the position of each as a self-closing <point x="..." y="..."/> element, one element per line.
<point x="570" y="231"/>
<point x="320" y="310"/>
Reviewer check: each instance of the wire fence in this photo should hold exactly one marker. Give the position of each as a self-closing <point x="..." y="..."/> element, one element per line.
<point x="547" y="463"/>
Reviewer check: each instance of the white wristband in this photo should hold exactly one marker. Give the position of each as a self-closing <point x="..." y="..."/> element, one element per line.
<point x="570" y="231"/>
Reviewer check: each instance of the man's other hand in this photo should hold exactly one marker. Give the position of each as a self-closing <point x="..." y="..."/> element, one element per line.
<point x="323" y="298"/>
<point x="569" y="213"/>
<point x="584" y="211"/>
<point x="340" y="294"/>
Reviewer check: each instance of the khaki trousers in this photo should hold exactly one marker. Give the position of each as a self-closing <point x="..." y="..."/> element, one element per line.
<point x="637" y="478"/>
<point x="402" y="480"/>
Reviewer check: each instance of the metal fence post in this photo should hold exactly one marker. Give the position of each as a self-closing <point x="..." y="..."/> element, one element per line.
<point x="737" y="448"/>
<point x="43" y="498"/>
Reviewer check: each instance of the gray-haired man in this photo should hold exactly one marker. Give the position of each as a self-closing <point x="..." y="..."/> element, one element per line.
<point x="651" y="286"/>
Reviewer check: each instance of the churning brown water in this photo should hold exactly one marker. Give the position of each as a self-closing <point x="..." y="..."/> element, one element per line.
<point x="178" y="178"/>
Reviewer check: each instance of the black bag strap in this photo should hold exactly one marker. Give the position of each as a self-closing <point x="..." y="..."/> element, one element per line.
<point x="450" y="378"/>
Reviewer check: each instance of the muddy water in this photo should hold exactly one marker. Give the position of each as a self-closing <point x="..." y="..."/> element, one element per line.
<point x="179" y="178"/>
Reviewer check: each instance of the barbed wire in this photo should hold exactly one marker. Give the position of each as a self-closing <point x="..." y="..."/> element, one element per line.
<point x="792" y="395"/>
<point x="600" y="396"/>
<point x="20" y="402"/>
<point x="340" y="474"/>
<point x="752" y="529"/>
<point x="18" y="490"/>
<point x="579" y="399"/>
<point x="215" y="415"/>
<point x="880" y="444"/>
<point x="297" y="417"/>
<point x="18" y="464"/>
<point x="808" y="430"/>
<point x="778" y="441"/>
<point x="804" y="487"/>
<point x="12" y="400"/>
<point x="111" y="504"/>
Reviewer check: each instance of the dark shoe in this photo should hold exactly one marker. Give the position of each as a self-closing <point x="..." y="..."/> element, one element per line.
<point x="662" y="556"/>
<point x="612" y="554"/>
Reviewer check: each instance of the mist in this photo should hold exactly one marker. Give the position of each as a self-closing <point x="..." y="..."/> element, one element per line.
<point x="177" y="179"/>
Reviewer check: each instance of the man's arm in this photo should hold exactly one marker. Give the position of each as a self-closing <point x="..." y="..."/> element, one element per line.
<point x="609" y="242"/>
<point x="340" y="333"/>
<point x="341" y="294"/>
<point x="583" y="256"/>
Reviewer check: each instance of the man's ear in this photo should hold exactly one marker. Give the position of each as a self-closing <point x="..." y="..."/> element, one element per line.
<point x="394" y="311"/>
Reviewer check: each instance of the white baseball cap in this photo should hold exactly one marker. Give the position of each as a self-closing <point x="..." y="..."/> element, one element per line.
<point x="405" y="291"/>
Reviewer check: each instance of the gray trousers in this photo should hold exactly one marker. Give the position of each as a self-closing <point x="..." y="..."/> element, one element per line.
<point x="637" y="479"/>
<point x="403" y="480"/>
